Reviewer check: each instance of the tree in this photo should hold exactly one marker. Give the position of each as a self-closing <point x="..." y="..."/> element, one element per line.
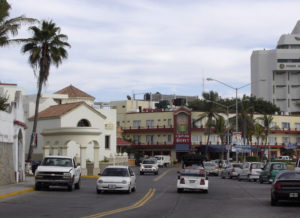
<point x="210" y="114"/>
<point x="220" y="130"/>
<point x="46" y="47"/>
<point x="3" y="102"/>
<point x="259" y="134"/>
<point x="267" y="125"/>
<point x="10" y="26"/>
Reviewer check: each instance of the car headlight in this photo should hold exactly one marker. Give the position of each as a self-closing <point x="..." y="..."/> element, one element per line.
<point x="67" y="175"/>
<point x="142" y="167"/>
<point x="100" y="181"/>
<point x="124" y="182"/>
<point x="37" y="175"/>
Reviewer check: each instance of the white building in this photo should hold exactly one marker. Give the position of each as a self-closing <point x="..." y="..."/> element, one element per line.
<point x="12" y="136"/>
<point x="68" y="124"/>
<point x="280" y="68"/>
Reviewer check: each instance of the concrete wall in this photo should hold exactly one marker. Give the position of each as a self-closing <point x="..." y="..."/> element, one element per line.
<point x="6" y="164"/>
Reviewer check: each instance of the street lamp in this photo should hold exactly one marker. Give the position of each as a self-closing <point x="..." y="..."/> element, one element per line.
<point x="236" y="94"/>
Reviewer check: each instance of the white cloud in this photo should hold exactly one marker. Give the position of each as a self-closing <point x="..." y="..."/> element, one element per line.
<point x="119" y="46"/>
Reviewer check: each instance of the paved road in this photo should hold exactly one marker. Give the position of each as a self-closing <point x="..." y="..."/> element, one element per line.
<point x="156" y="196"/>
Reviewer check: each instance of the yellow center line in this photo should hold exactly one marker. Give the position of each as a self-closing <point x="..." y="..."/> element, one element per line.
<point x="16" y="193"/>
<point x="140" y="203"/>
<point x="162" y="175"/>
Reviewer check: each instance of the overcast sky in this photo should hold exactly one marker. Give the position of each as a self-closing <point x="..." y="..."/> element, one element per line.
<point x="120" y="47"/>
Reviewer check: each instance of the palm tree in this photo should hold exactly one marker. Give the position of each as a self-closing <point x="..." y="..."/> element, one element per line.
<point x="220" y="130"/>
<point x="10" y="26"/>
<point x="259" y="134"/>
<point x="46" y="47"/>
<point x="266" y="124"/>
<point x="210" y="114"/>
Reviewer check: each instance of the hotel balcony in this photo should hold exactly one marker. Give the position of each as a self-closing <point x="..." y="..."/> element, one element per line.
<point x="157" y="128"/>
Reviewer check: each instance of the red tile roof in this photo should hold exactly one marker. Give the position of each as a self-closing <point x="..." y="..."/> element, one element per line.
<point x="72" y="91"/>
<point x="57" y="110"/>
<point x="121" y="142"/>
<point x="8" y="84"/>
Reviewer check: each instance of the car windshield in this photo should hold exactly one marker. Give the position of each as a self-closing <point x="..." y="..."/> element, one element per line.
<point x="115" y="172"/>
<point x="290" y="175"/>
<point x="60" y="162"/>
<point x="256" y="166"/>
<point x="279" y="166"/>
<point x="209" y="164"/>
<point x="149" y="162"/>
<point x="158" y="158"/>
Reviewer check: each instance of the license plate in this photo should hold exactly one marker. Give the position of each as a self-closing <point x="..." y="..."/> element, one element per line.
<point x="192" y="181"/>
<point x="293" y="195"/>
<point x="111" y="186"/>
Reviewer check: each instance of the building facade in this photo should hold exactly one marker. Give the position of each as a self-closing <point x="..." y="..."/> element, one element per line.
<point x="178" y="131"/>
<point x="280" y="68"/>
<point x="12" y="136"/>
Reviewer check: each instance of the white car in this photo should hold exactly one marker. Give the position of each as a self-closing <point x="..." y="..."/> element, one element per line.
<point x="116" y="178"/>
<point x="250" y="171"/>
<point x="149" y="165"/>
<point x="192" y="178"/>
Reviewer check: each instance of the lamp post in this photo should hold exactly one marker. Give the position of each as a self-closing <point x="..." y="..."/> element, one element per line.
<point x="236" y="98"/>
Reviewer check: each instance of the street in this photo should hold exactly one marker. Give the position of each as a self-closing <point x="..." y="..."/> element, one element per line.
<point x="156" y="196"/>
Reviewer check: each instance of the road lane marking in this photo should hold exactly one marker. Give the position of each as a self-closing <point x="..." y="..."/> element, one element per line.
<point x="16" y="193"/>
<point x="162" y="175"/>
<point x="140" y="203"/>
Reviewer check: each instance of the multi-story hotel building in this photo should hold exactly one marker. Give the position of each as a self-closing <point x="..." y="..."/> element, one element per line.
<point x="179" y="130"/>
<point x="280" y="68"/>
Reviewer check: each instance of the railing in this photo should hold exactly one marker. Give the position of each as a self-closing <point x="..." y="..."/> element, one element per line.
<point x="148" y="128"/>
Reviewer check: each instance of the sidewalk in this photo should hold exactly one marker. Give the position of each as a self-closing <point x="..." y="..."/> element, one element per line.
<point x="18" y="188"/>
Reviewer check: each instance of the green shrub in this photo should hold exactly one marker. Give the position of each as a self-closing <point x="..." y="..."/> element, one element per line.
<point x="252" y="159"/>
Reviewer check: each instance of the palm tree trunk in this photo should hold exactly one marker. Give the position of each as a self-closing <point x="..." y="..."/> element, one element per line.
<point x="222" y="147"/>
<point x="37" y="102"/>
<point x="206" y="148"/>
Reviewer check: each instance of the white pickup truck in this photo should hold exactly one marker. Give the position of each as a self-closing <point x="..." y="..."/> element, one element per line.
<point x="58" y="171"/>
<point x="163" y="160"/>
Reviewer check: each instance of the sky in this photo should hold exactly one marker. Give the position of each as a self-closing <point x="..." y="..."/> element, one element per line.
<point x="121" y="47"/>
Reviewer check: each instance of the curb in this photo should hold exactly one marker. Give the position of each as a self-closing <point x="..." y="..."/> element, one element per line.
<point x="16" y="193"/>
<point x="90" y="177"/>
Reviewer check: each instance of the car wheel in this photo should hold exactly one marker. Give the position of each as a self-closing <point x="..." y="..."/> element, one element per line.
<point x="133" y="189"/>
<point x="77" y="185"/>
<point x="223" y="177"/>
<point x="249" y="179"/>
<point x="179" y="190"/>
<point x="129" y="190"/>
<point x="205" y="191"/>
<point x="239" y="178"/>
<point x="99" y="191"/>
<point x="269" y="182"/>
<point x="37" y="186"/>
<point x="273" y="201"/>
<point x="141" y="173"/>
<point x="156" y="173"/>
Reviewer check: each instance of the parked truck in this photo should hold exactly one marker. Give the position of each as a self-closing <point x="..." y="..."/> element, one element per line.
<point x="163" y="160"/>
<point x="58" y="171"/>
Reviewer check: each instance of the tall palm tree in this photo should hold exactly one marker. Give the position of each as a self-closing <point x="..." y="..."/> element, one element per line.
<point x="10" y="26"/>
<point x="220" y="130"/>
<point x="259" y="134"/>
<point x="46" y="47"/>
<point x="266" y="124"/>
<point x="210" y="114"/>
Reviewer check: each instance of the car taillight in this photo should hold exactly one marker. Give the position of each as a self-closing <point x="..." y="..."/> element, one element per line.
<point x="277" y="186"/>
<point x="182" y="181"/>
<point x="250" y="170"/>
<point x="271" y="171"/>
<point x="233" y="170"/>
<point x="202" y="182"/>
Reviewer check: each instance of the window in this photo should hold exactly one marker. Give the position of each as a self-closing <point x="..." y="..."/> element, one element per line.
<point x="196" y="139"/>
<point x="150" y="139"/>
<point x="285" y="125"/>
<point x="273" y="125"/>
<point x="150" y="123"/>
<point x="169" y="138"/>
<point x="136" y="123"/>
<point x="169" y="122"/>
<point x="118" y="123"/>
<point x="297" y="125"/>
<point x="83" y="123"/>
<point x="272" y="140"/>
<point x="107" y="142"/>
<point x="136" y="139"/>
<point x="286" y="140"/>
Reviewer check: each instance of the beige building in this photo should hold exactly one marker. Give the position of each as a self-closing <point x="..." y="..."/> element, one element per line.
<point x="179" y="130"/>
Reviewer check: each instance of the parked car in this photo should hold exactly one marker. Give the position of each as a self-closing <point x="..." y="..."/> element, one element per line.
<point x="149" y="165"/>
<point x="163" y="160"/>
<point x="116" y="178"/>
<point x="286" y="186"/>
<point x="232" y="170"/>
<point x="251" y="171"/>
<point x="270" y="171"/>
<point x="192" y="178"/>
<point x="211" y="168"/>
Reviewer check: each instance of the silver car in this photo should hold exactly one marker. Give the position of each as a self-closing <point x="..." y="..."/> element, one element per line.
<point x="211" y="168"/>
<point x="231" y="171"/>
<point x="251" y="171"/>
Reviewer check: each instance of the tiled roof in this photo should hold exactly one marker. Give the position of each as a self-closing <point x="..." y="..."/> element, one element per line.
<point x="121" y="142"/>
<point x="57" y="110"/>
<point x="72" y="91"/>
<point x="8" y="84"/>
